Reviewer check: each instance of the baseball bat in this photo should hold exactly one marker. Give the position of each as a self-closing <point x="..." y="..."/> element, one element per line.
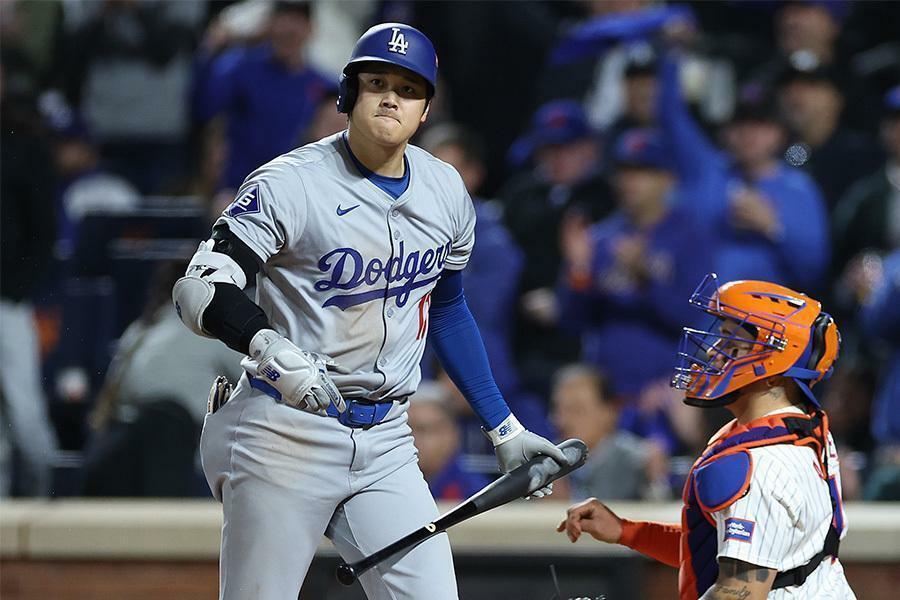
<point x="521" y="481"/>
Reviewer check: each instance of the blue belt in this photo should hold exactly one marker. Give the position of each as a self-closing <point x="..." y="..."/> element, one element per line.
<point x="359" y="413"/>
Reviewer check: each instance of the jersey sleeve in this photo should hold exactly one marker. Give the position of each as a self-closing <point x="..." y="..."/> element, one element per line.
<point x="760" y="528"/>
<point x="464" y="241"/>
<point x="269" y="210"/>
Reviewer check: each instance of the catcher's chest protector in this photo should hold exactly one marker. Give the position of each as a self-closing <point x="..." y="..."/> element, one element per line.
<point x="722" y="475"/>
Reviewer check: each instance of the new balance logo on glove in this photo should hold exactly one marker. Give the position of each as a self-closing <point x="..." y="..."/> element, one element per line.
<point x="270" y="373"/>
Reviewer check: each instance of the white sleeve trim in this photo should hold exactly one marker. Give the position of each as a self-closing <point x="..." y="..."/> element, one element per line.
<point x="505" y="431"/>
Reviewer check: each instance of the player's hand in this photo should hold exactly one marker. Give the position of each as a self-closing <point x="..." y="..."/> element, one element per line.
<point x="753" y="211"/>
<point x="300" y="377"/>
<point x="575" y="241"/>
<point x="593" y="517"/>
<point x="524" y="447"/>
<point x="630" y="253"/>
<point x="541" y="306"/>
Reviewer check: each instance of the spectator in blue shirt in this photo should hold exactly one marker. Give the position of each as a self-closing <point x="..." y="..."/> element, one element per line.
<point x="267" y="92"/>
<point x="437" y="437"/>
<point x="85" y="185"/>
<point x="494" y="271"/>
<point x="628" y="278"/>
<point x="770" y="218"/>
<point x="880" y="318"/>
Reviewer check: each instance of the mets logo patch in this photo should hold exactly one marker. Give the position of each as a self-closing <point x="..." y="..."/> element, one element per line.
<point x="246" y="203"/>
<point x="739" y="529"/>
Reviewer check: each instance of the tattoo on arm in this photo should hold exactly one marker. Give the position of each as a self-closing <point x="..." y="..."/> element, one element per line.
<point x="739" y="580"/>
<point x="723" y="592"/>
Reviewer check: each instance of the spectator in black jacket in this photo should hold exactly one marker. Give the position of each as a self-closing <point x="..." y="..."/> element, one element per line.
<point x="835" y="156"/>
<point x="566" y="177"/>
<point x="868" y="216"/>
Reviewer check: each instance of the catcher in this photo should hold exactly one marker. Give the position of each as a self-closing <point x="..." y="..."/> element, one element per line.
<point x="762" y="514"/>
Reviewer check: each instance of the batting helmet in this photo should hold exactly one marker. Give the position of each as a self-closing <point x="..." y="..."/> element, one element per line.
<point x="392" y="43"/>
<point x="780" y="331"/>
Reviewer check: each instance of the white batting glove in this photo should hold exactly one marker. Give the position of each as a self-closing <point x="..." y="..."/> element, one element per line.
<point x="300" y="376"/>
<point x="514" y="445"/>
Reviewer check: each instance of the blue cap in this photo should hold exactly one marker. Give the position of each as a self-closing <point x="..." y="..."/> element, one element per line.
<point x="556" y="122"/>
<point x="642" y="148"/>
<point x="892" y="100"/>
<point x="397" y="44"/>
<point x="390" y="43"/>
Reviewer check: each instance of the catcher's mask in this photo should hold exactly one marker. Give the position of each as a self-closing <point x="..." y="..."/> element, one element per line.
<point x="758" y="330"/>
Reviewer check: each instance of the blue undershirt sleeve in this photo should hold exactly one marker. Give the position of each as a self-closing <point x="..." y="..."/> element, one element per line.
<point x="458" y="345"/>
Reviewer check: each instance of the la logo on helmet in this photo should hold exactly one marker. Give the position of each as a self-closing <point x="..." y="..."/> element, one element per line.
<point x="398" y="41"/>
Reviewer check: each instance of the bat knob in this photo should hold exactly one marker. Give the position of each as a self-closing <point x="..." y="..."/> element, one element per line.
<point x="345" y="574"/>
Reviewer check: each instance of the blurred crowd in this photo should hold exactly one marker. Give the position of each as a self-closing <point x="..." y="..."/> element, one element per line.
<point x="616" y="151"/>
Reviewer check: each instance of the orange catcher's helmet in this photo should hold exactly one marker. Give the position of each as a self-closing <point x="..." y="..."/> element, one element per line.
<point x="758" y="330"/>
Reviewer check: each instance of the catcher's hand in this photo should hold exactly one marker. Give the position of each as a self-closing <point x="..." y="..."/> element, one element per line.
<point x="593" y="517"/>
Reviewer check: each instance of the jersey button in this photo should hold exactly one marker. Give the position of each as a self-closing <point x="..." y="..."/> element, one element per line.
<point x="397" y="235"/>
<point x="390" y="312"/>
<point x="395" y="213"/>
<point x="382" y="362"/>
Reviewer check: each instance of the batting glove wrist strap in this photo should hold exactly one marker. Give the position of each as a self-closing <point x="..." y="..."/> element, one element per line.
<point x="505" y="431"/>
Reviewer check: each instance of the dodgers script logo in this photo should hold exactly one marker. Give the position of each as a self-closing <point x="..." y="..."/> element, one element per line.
<point x="346" y="269"/>
<point x="398" y="41"/>
<point x="739" y="529"/>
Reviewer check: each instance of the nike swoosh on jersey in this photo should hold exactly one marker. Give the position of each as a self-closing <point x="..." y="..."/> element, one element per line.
<point x="343" y="211"/>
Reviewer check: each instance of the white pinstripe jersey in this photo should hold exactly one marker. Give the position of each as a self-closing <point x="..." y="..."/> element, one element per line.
<point x="782" y="521"/>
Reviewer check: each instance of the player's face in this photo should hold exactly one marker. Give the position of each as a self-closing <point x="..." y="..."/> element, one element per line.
<point x="640" y="92"/>
<point x="566" y="164"/>
<point x="641" y="189"/>
<point x="740" y="344"/>
<point x="754" y="142"/>
<point x="580" y="412"/>
<point x="391" y="104"/>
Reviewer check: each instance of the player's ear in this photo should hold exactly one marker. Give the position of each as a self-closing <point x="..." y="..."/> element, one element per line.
<point x="425" y="112"/>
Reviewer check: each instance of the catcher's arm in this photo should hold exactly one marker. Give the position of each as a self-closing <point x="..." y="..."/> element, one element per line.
<point x="738" y="579"/>
<point x="656" y="540"/>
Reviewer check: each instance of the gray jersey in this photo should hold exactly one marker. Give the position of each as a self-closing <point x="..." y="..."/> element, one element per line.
<point x="349" y="270"/>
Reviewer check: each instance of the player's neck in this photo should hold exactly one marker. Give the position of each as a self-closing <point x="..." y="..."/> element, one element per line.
<point x="382" y="160"/>
<point x="759" y="400"/>
<point x="759" y="169"/>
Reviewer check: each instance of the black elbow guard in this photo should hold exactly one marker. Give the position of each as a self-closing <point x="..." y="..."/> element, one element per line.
<point x="225" y="242"/>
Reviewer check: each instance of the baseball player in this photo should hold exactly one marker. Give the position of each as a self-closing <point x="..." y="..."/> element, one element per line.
<point x="762" y="515"/>
<point x="355" y="244"/>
